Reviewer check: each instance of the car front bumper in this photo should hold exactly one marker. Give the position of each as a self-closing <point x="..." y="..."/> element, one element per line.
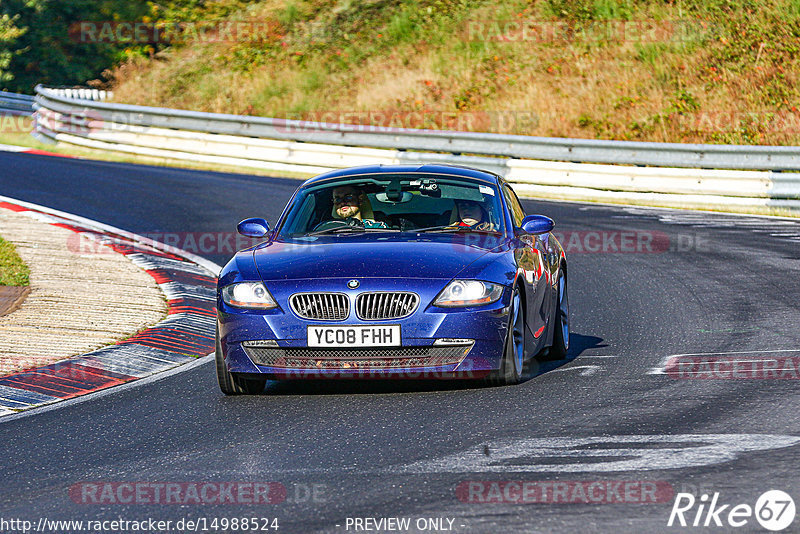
<point x="435" y="343"/>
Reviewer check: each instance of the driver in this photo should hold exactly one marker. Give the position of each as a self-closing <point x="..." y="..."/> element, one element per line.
<point x="470" y="213"/>
<point x="352" y="205"/>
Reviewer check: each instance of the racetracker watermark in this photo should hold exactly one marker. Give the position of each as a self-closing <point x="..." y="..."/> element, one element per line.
<point x="779" y="121"/>
<point x="573" y="242"/>
<point x="362" y="121"/>
<point x="600" y="241"/>
<point x="73" y="372"/>
<point x="604" y="241"/>
<point x="554" y="31"/>
<point x="564" y="492"/>
<point x="378" y="368"/>
<point x="387" y="121"/>
<point x="88" y="243"/>
<point x="713" y="367"/>
<point x="11" y="123"/>
<point x="142" y="32"/>
<point x="181" y="493"/>
<point x="629" y="242"/>
<point x="203" y="493"/>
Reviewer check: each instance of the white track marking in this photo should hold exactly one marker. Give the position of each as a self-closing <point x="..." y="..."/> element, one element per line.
<point x="151" y="263"/>
<point x="736" y="352"/>
<point x="14" y="148"/>
<point x="662" y="366"/>
<point x="782" y="228"/>
<point x="600" y="454"/>
<point x="649" y="209"/>
<point x="133" y="360"/>
<point x="177" y="290"/>
<point x="587" y="370"/>
<point x="661" y="369"/>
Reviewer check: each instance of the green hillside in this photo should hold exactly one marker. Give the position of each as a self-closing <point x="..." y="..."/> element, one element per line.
<point x="717" y="71"/>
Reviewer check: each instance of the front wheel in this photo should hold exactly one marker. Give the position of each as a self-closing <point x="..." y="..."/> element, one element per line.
<point x="231" y="384"/>
<point x="512" y="364"/>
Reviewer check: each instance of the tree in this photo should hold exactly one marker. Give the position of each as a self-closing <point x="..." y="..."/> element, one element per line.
<point x="41" y="49"/>
<point x="9" y="33"/>
<point x="38" y="43"/>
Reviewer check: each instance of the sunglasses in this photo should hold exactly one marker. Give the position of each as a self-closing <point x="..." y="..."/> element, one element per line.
<point x="350" y="198"/>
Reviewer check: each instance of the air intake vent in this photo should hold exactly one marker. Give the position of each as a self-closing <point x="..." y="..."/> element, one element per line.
<point x="386" y="305"/>
<point x="355" y="359"/>
<point x="321" y="306"/>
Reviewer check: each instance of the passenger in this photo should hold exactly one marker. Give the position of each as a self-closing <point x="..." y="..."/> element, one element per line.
<point x="470" y="213"/>
<point x="351" y="203"/>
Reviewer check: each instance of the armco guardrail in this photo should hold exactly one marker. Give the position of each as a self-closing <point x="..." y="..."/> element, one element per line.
<point x="283" y="145"/>
<point x="514" y="146"/>
<point x="80" y="93"/>
<point x="16" y="104"/>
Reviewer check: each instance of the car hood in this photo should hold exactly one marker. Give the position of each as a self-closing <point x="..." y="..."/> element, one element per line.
<point x="377" y="256"/>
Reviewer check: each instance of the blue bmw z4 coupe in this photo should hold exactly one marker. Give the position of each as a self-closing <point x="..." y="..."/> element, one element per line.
<point x="430" y="271"/>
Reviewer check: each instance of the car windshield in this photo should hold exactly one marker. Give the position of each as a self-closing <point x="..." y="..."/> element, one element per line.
<point x="395" y="203"/>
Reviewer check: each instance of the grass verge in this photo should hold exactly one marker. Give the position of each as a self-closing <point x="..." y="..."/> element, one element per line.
<point x="708" y="71"/>
<point x="13" y="271"/>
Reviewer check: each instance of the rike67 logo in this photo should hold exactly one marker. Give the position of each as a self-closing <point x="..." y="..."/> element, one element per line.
<point x="774" y="510"/>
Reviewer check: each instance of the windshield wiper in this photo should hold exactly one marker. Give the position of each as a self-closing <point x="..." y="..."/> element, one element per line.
<point x="449" y="228"/>
<point x="346" y="229"/>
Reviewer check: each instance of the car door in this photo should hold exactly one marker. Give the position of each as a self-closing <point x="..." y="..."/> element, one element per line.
<point x="531" y="256"/>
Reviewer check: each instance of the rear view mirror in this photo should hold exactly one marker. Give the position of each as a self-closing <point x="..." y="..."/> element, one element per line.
<point x="254" y="227"/>
<point x="398" y="197"/>
<point x="537" y="224"/>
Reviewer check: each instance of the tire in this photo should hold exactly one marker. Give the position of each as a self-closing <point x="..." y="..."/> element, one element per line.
<point x="561" y="334"/>
<point x="231" y="384"/>
<point x="513" y="362"/>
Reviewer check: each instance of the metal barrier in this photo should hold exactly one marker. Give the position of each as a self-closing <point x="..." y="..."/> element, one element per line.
<point x="282" y="145"/>
<point x="80" y="93"/>
<point x="19" y="104"/>
<point x="16" y="104"/>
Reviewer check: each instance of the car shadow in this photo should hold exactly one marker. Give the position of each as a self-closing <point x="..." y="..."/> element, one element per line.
<point x="367" y="386"/>
<point x="578" y="344"/>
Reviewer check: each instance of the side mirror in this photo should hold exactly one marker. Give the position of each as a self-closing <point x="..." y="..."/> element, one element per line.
<point x="537" y="224"/>
<point x="255" y="227"/>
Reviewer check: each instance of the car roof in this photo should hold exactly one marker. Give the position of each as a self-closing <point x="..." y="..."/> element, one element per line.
<point x="451" y="170"/>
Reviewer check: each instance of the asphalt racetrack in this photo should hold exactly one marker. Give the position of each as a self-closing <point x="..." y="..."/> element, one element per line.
<point x="609" y="423"/>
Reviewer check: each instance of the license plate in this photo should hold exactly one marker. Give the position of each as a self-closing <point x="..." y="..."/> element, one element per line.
<point x="354" y="336"/>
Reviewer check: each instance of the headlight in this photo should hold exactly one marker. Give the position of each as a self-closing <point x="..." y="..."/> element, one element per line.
<point x="461" y="293"/>
<point x="248" y="295"/>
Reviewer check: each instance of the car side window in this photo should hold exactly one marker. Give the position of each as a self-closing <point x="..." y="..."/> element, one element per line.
<point x="517" y="213"/>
